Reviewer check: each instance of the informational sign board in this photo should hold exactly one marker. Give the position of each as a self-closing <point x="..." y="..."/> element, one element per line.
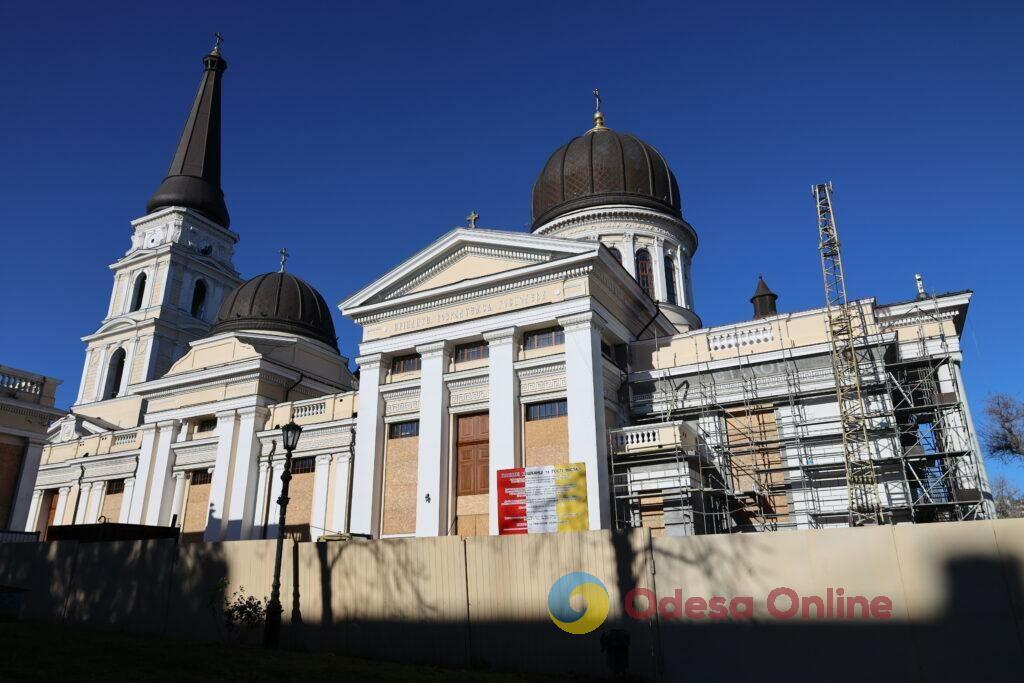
<point x="541" y="500"/>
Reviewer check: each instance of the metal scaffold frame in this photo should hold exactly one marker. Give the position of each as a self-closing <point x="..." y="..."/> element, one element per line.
<point x="844" y="331"/>
<point x="902" y="431"/>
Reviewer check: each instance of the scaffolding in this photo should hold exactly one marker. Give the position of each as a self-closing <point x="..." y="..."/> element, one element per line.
<point x="758" y="460"/>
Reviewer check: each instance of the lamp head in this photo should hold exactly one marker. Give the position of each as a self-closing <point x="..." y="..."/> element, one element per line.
<point x="290" y="435"/>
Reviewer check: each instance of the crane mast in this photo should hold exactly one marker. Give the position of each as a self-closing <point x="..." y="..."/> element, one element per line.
<point x="846" y="329"/>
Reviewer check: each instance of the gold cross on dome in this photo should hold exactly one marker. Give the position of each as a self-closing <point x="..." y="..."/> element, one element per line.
<point x="284" y="257"/>
<point x="471" y="219"/>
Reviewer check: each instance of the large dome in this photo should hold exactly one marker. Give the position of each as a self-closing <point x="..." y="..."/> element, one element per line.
<point x="279" y="302"/>
<point x="604" y="167"/>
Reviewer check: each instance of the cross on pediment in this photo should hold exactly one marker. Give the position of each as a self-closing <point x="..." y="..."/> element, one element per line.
<point x="471" y="219"/>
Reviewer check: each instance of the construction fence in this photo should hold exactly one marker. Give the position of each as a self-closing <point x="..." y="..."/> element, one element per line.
<point x="906" y="602"/>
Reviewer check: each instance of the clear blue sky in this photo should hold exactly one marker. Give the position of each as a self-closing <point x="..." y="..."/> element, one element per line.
<point x="356" y="133"/>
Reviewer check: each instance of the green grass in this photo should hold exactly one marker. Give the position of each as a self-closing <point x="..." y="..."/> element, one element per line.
<point x="32" y="651"/>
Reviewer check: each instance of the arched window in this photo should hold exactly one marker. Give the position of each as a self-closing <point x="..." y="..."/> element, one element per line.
<point x="199" y="300"/>
<point x="616" y="253"/>
<point x="115" y="372"/>
<point x="138" y="292"/>
<point x="644" y="273"/>
<point x="670" y="279"/>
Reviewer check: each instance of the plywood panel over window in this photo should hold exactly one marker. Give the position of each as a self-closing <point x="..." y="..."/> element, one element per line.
<point x="197" y="503"/>
<point x="300" y="503"/>
<point x="400" y="468"/>
<point x="546" y="442"/>
<point x="10" y="462"/>
<point x="113" y="496"/>
<point x="756" y="464"/>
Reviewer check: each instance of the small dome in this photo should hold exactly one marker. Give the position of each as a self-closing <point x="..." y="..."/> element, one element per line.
<point x="278" y="302"/>
<point x="604" y="167"/>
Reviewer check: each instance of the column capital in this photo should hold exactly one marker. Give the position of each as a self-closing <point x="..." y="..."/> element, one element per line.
<point x="252" y="410"/>
<point x="628" y="236"/>
<point x="64" y="490"/>
<point x="264" y="465"/>
<point x="341" y="457"/>
<point x="370" y="362"/>
<point x="131" y="481"/>
<point x="580" y="321"/>
<point x="38" y="492"/>
<point x="179" y="475"/>
<point x="324" y="459"/>
<point x="168" y="424"/>
<point x="433" y="349"/>
<point x="225" y="414"/>
<point x="506" y="335"/>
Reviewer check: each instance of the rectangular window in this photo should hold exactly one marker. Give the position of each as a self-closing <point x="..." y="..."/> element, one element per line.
<point x="303" y="465"/>
<point x="552" y="336"/>
<point x="404" y="430"/>
<point x="200" y="477"/>
<point x="405" y="364"/>
<point x="473" y="351"/>
<point x="547" y="410"/>
<point x="115" y="486"/>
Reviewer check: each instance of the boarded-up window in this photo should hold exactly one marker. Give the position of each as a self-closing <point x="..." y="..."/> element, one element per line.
<point x="113" y="496"/>
<point x="400" y="470"/>
<point x="756" y="466"/>
<point x="193" y="526"/>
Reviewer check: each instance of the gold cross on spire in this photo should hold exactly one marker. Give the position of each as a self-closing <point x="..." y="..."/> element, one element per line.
<point x="284" y="257"/>
<point x="218" y="39"/>
<point x="471" y="219"/>
<point x="598" y="116"/>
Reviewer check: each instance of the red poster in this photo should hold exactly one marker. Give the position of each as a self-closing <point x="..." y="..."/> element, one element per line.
<point x="512" y="501"/>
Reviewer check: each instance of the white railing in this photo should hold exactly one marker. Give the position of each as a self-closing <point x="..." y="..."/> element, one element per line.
<point x="125" y="437"/>
<point x="9" y="381"/>
<point x="310" y="409"/>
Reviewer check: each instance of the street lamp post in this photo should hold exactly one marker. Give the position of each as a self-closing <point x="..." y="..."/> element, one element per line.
<point x="272" y="631"/>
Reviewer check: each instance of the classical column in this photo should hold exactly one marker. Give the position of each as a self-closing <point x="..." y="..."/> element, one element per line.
<point x="142" y="474"/>
<point x="81" y="511"/>
<point x="242" y="501"/>
<point x="321" y="478"/>
<point x="220" y="484"/>
<point x="95" y="502"/>
<point x="126" y="500"/>
<point x="432" y="461"/>
<point x="503" y="421"/>
<point x="342" y="482"/>
<point x="85" y="373"/>
<point x="588" y="439"/>
<point x="62" y="505"/>
<point x="259" y="518"/>
<point x="274" y="513"/>
<point x="21" y="514"/>
<point x="178" y="500"/>
<point x="366" y="475"/>
<point x="658" y="264"/>
<point x="628" y="250"/>
<point x="31" y="522"/>
<point x="100" y="375"/>
<point x="161" y="488"/>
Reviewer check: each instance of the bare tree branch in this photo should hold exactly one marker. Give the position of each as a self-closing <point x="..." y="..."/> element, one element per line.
<point x="1004" y="432"/>
<point x="1008" y="499"/>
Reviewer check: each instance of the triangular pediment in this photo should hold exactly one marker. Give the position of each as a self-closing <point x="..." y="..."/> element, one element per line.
<point x="464" y="256"/>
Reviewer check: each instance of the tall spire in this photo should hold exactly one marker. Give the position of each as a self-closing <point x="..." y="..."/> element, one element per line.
<point x="763" y="300"/>
<point x="193" y="180"/>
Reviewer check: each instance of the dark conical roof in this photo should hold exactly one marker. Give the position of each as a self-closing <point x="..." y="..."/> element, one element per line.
<point x="763" y="300"/>
<point x="193" y="180"/>
<point x="604" y="167"/>
<point x="278" y="302"/>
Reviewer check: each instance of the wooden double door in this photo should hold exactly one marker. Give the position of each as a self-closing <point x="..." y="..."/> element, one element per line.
<point x="472" y="473"/>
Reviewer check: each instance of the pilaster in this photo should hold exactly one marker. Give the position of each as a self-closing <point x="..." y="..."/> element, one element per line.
<point x="503" y="421"/>
<point x="147" y="451"/>
<point x="432" y="461"/>
<point x="220" y="483"/>
<point x="22" y="513"/>
<point x="342" y="485"/>
<point x="321" y="478"/>
<point x="628" y="250"/>
<point x="32" y="520"/>
<point x="126" y="500"/>
<point x="178" y="501"/>
<point x="367" y="470"/>
<point x="588" y="440"/>
<point x="161" y="489"/>
<point x="242" y="501"/>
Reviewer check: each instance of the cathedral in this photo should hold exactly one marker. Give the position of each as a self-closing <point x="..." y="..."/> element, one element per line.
<point x="506" y="382"/>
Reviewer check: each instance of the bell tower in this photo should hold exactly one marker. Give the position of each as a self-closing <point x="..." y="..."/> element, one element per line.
<point x="169" y="284"/>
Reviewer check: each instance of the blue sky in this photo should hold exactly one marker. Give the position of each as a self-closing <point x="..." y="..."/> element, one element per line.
<point x="357" y="133"/>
